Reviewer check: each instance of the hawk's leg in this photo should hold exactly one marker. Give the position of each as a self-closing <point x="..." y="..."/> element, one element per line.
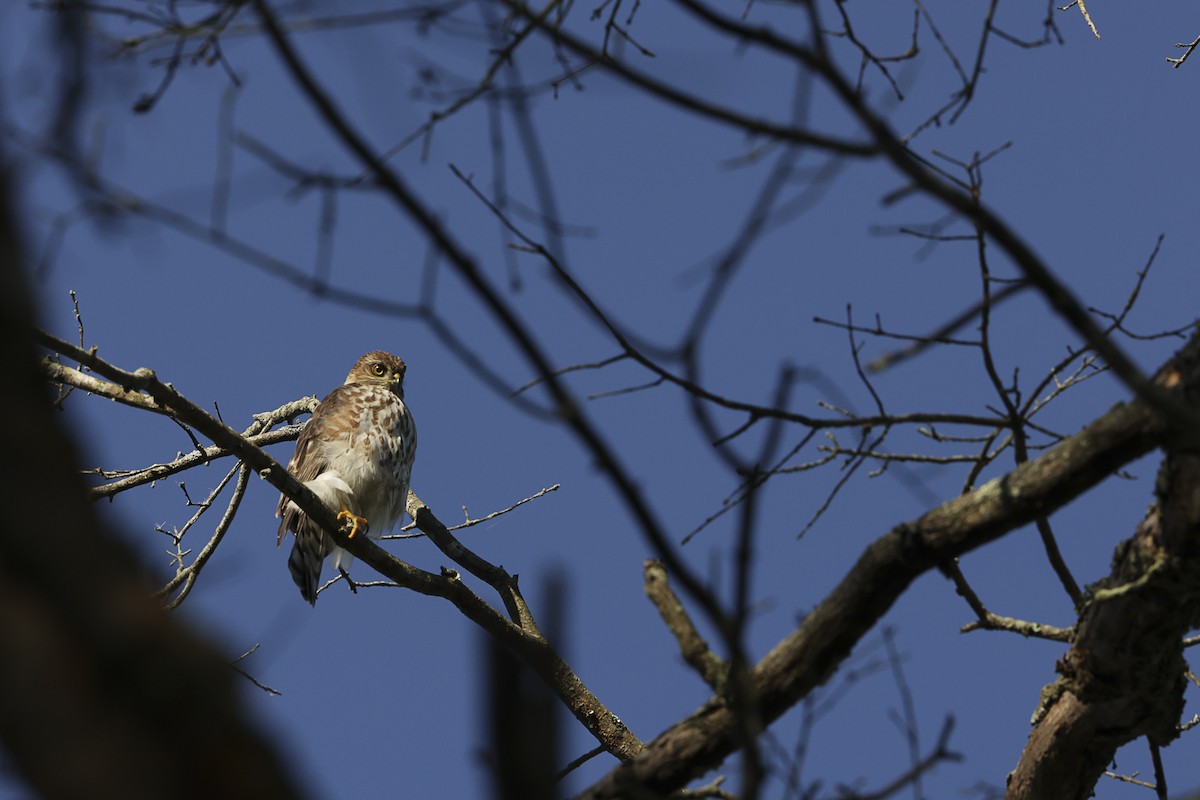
<point x="349" y="581"/>
<point x="355" y="522"/>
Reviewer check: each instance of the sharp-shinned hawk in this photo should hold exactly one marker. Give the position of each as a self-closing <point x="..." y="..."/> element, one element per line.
<point x="356" y="453"/>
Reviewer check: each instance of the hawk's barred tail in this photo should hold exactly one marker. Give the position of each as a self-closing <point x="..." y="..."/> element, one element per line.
<point x="305" y="565"/>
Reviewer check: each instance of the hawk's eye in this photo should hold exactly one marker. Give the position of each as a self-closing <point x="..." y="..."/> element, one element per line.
<point x="378" y="369"/>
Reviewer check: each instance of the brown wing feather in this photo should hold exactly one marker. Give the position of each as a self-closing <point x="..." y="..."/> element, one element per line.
<point x="306" y="463"/>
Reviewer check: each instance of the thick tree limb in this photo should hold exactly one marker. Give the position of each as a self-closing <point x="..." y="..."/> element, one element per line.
<point x="810" y="655"/>
<point x="1123" y="677"/>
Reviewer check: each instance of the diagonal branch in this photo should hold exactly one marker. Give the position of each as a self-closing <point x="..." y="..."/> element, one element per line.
<point x="695" y="651"/>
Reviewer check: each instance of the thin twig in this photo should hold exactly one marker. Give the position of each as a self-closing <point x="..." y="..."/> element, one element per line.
<point x="1083" y="8"/>
<point x="472" y="522"/>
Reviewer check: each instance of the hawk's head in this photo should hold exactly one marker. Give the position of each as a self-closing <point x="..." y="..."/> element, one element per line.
<point x="381" y="369"/>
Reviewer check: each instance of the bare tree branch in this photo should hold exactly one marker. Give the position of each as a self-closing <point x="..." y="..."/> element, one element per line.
<point x="809" y="655"/>
<point x="695" y="651"/>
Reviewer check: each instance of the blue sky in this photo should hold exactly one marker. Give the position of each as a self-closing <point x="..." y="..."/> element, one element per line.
<point x="381" y="690"/>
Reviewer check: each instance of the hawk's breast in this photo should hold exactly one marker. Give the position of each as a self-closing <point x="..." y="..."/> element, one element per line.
<point x="375" y="456"/>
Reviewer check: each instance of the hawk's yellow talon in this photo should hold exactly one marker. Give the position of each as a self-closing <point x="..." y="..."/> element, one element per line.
<point x="355" y="521"/>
